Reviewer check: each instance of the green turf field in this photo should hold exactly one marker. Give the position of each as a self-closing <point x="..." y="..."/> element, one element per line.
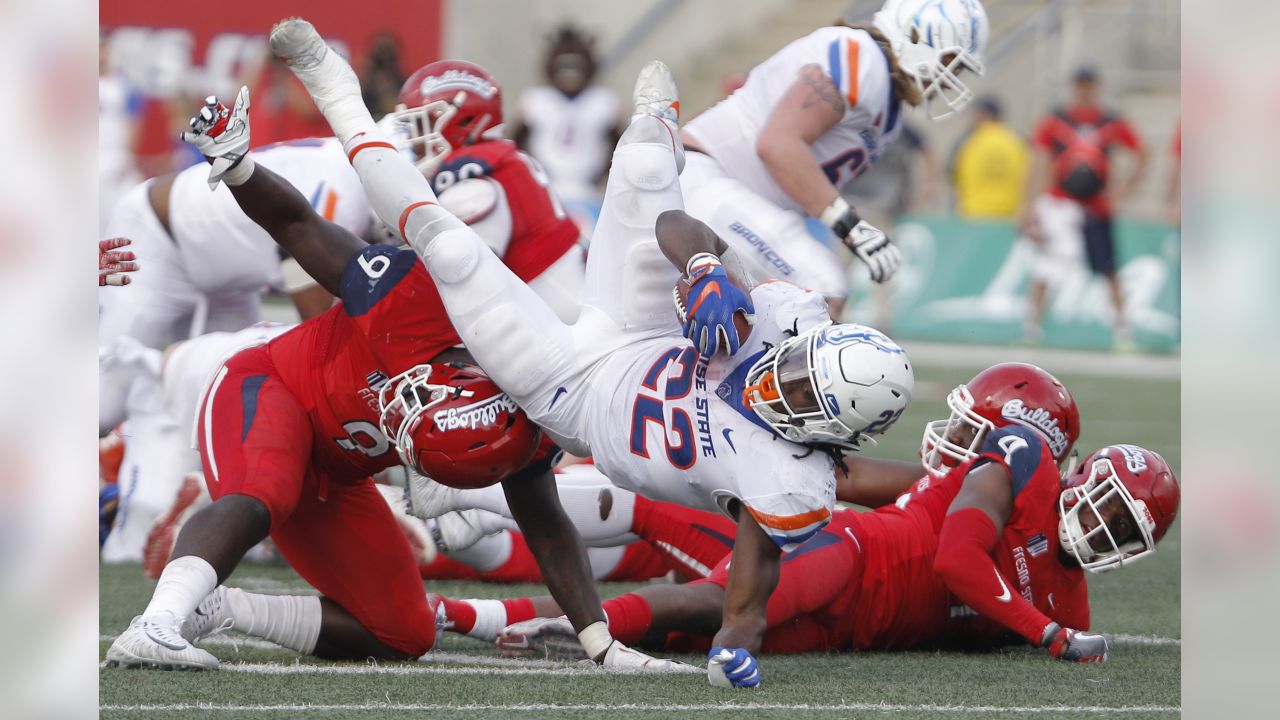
<point x="1137" y="608"/>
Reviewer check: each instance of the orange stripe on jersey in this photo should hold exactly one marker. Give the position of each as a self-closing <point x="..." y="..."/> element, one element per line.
<point x="790" y="522"/>
<point x="351" y="156"/>
<point x="330" y="205"/>
<point x="853" y="73"/>
<point x="404" y="216"/>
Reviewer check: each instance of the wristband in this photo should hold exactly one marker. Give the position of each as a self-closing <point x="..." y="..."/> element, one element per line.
<point x="699" y="260"/>
<point x="840" y="217"/>
<point x="595" y="639"/>
<point x="239" y="173"/>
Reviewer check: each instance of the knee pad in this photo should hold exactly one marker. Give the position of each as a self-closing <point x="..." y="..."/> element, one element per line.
<point x="453" y="255"/>
<point x="647" y="166"/>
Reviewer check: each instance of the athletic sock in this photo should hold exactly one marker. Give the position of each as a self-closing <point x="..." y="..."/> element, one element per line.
<point x="184" y="582"/>
<point x="291" y="621"/>
<point x="483" y="619"/>
<point x="693" y="541"/>
<point x="630" y="618"/>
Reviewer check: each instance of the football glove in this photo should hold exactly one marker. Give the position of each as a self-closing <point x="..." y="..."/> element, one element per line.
<point x="113" y="262"/>
<point x="732" y="667"/>
<point x="1074" y="645"/>
<point x="222" y="136"/>
<point x="713" y="301"/>
<point x="866" y="241"/>
<point x="619" y="656"/>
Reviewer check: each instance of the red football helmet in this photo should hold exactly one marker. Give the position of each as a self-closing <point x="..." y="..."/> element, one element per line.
<point x="444" y="106"/>
<point x="1001" y="395"/>
<point x="452" y="424"/>
<point x="1119" y="490"/>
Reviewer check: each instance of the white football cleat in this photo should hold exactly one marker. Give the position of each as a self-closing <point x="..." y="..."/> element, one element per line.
<point x="655" y="92"/>
<point x="428" y="498"/>
<point x="210" y="617"/>
<point x="415" y="529"/>
<point x="156" y="642"/>
<point x="328" y="78"/>
<point x="456" y="530"/>
<point x="544" y="638"/>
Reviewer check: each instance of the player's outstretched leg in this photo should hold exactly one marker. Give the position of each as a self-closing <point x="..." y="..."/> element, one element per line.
<point x="628" y="278"/>
<point x="512" y="333"/>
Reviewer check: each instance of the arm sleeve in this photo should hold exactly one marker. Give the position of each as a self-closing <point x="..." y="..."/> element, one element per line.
<point x="964" y="562"/>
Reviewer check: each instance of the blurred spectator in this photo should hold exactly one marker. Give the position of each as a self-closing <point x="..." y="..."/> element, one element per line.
<point x="119" y="108"/>
<point x="382" y="77"/>
<point x="1174" y="211"/>
<point x="1072" y="199"/>
<point x="281" y="109"/>
<point x="989" y="166"/>
<point x="569" y="125"/>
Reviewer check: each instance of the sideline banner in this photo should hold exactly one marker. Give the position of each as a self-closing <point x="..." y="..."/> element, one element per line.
<point x="967" y="282"/>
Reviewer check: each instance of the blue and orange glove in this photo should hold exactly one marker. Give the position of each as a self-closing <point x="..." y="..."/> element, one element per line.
<point x="1074" y="645"/>
<point x="732" y="667"/>
<point x="713" y="301"/>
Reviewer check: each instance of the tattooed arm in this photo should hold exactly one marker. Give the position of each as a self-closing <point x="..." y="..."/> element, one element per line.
<point x="809" y="108"/>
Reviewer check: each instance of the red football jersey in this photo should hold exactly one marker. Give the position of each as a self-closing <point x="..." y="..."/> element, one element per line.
<point x="541" y="231"/>
<point x="1083" y="134"/>
<point x="391" y="318"/>
<point x="900" y="601"/>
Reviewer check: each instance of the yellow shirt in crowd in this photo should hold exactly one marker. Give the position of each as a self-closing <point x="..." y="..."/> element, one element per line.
<point x="991" y="172"/>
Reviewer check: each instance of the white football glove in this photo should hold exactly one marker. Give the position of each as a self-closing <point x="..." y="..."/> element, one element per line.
<point x="873" y="248"/>
<point x="222" y="136"/>
<point x="620" y="656"/>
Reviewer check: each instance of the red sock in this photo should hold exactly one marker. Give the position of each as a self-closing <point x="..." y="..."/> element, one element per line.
<point x="519" y="610"/>
<point x="693" y="541"/>
<point x="630" y="618"/>
<point x="461" y="614"/>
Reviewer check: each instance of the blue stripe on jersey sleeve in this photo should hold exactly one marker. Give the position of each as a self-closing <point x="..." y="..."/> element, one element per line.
<point x="1019" y="449"/>
<point x="833" y="64"/>
<point x="372" y="274"/>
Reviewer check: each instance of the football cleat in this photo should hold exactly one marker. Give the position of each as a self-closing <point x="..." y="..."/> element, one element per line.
<point x="415" y="530"/>
<point x="621" y="657"/>
<point x="456" y="531"/>
<point x="164" y="532"/>
<point x="428" y="498"/>
<point x="157" y="642"/>
<point x="210" y="617"/>
<point x="547" y="638"/>
<point x="328" y="78"/>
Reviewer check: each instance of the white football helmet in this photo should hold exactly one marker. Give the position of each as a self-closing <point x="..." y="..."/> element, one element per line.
<point x="934" y="40"/>
<point x="834" y="384"/>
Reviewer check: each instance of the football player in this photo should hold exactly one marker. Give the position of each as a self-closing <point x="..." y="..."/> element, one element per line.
<point x="289" y="433"/>
<point x="207" y="263"/>
<point x="814" y="116"/>
<point x="751" y="433"/>
<point x="449" y="115"/>
<point x="989" y="547"/>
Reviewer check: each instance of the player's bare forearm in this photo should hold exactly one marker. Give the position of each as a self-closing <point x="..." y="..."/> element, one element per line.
<point x="322" y="248"/>
<point x="557" y="546"/>
<point x="808" y="109"/>
<point x="681" y="236"/>
<point x="753" y="574"/>
<point x="874" y="482"/>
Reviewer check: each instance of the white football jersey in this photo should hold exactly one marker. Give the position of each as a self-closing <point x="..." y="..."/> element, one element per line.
<point x="690" y="440"/>
<point x="859" y="70"/>
<point x="222" y="249"/>
<point x="570" y="136"/>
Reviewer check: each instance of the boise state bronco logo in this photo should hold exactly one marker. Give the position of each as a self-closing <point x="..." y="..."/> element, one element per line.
<point x="846" y="335"/>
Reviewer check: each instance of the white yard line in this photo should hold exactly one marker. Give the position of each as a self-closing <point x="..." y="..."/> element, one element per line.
<point x="1059" y="362"/>
<point x="1123" y="639"/>
<point x="657" y="708"/>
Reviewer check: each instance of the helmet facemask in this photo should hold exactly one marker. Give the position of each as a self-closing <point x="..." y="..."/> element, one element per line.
<point x="1096" y="549"/>
<point x="422" y="132"/>
<point x="782" y="389"/>
<point x="956" y="440"/>
<point x="403" y="402"/>
<point x="936" y="72"/>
